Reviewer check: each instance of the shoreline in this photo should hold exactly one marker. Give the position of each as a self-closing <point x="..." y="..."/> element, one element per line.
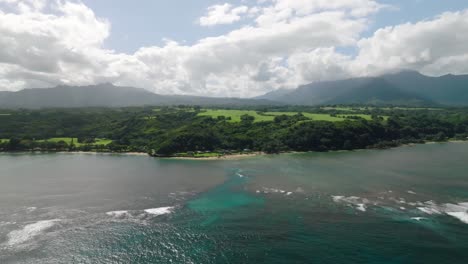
<point x="237" y="156"/>
<point x="104" y="153"/>
<point x="221" y="157"/>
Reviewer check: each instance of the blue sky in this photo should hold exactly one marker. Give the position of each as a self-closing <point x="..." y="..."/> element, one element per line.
<point x="148" y="22"/>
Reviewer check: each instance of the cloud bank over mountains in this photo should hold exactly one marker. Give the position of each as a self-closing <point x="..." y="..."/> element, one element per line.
<point x="277" y="44"/>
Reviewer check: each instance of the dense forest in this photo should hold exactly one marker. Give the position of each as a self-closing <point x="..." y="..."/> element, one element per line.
<point x="183" y="130"/>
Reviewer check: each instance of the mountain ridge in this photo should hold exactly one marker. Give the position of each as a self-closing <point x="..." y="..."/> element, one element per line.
<point x="409" y="88"/>
<point x="400" y="88"/>
<point x="108" y="95"/>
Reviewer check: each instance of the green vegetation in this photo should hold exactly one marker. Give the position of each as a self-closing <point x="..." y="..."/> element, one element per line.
<point x="324" y="117"/>
<point x="78" y="142"/>
<point x="64" y="139"/>
<point x="357" y="109"/>
<point x="102" y="141"/>
<point x="235" y="115"/>
<point x="195" y="132"/>
<point x="342" y="108"/>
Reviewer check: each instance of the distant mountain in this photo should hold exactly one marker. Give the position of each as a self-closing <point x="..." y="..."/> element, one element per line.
<point x="447" y="90"/>
<point x="107" y="95"/>
<point x="274" y="95"/>
<point x="403" y="88"/>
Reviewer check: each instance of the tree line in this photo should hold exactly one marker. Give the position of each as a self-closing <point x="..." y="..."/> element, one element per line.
<point x="171" y="130"/>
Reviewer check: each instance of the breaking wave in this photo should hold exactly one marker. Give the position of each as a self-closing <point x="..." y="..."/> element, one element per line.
<point x="28" y="232"/>
<point x="160" y="210"/>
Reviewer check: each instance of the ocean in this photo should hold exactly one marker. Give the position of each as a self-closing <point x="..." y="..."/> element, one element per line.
<point x="402" y="205"/>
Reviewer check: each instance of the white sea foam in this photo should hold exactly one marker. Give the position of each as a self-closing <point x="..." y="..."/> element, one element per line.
<point x="337" y="198"/>
<point x="160" y="210"/>
<point x="299" y="190"/>
<point x="31" y="209"/>
<point x="357" y="202"/>
<point x="411" y="192"/>
<point x="429" y="210"/>
<point x="289" y="193"/>
<point x="240" y="175"/>
<point x="3" y="223"/>
<point x="418" y="218"/>
<point x="28" y="232"/>
<point x="462" y="216"/>
<point x="361" y="207"/>
<point x="273" y="190"/>
<point x="459" y="211"/>
<point x="461" y="207"/>
<point x="118" y="214"/>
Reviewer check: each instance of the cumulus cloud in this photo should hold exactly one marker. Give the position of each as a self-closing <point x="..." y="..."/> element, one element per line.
<point x="427" y="46"/>
<point x="44" y="48"/>
<point x="284" y="43"/>
<point x="25" y="6"/>
<point x="223" y="14"/>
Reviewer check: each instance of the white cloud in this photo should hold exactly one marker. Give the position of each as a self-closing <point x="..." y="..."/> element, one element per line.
<point x="425" y="46"/>
<point x="39" y="48"/>
<point x="25" y="6"/>
<point x="223" y="14"/>
<point x="287" y="43"/>
<point x="321" y="64"/>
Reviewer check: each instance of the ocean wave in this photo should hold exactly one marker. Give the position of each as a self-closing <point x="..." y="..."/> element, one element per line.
<point x="138" y="214"/>
<point x="31" y="209"/>
<point x="462" y="216"/>
<point x="415" y="209"/>
<point x="429" y="210"/>
<point x="274" y="190"/>
<point x="159" y="211"/>
<point x="118" y="214"/>
<point x="357" y="202"/>
<point x="28" y="232"/>
<point x="458" y="211"/>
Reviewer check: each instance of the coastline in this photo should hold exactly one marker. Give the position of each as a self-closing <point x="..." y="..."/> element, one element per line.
<point x="104" y="153"/>
<point x="236" y="156"/>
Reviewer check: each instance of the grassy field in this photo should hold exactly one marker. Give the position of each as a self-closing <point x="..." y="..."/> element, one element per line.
<point x="411" y="109"/>
<point x="99" y="141"/>
<point x="235" y="115"/>
<point x="102" y="141"/>
<point x="4" y="140"/>
<point x="344" y="109"/>
<point x="355" y="109"/>
<point x="319" y="117"/>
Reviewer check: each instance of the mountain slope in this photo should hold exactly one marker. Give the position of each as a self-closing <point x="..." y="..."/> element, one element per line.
<point x="447" y="89"/>
<point x="106" y="95"/>
<point x="379" y="91"/>
<point x="404" y="88"/>
<point x="274" y="95"/>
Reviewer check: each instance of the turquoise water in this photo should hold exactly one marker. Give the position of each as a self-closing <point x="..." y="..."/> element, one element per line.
<point x="404" y="205"/>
